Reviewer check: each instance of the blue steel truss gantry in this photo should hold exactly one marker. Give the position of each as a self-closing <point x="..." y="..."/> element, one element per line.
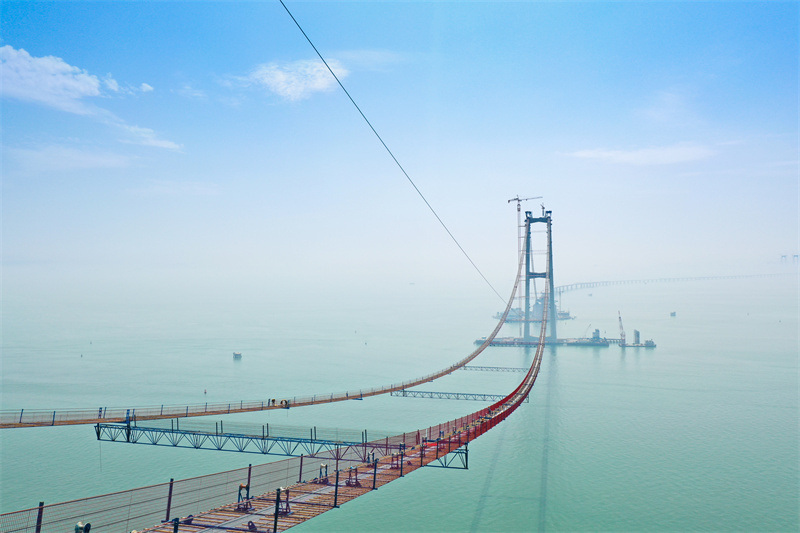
<point x="449" y="395"/>
<point x="494" y="368"/>
<point x="263" y="444"/>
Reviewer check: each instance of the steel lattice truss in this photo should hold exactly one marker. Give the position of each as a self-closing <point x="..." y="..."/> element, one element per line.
<point x="495" y="368"/>
<point x="233" y="442"/>
<point x="450" y="395"/>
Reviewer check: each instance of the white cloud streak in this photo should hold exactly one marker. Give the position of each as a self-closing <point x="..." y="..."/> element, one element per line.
<point x="662" y="155"/>
<point x="297" y="80"/>
<point x="148" y="137"/>
<point x="188" y="91"/>
<point x="47" y="80"/>
<point x="52" y="82"/>
<point x="111" y="83"/>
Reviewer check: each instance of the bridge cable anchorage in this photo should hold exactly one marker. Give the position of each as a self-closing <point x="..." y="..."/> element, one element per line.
<point x="391" y="154"/>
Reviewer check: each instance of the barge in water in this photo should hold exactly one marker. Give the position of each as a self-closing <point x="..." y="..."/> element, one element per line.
<point x="595" y="340"/>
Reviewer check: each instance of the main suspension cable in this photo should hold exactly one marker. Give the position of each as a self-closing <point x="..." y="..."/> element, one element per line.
<point x="403" y="170"/>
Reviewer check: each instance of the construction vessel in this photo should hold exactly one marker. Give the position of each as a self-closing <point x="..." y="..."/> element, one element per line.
<point x="636" y="340"/>
<point x="595" y="340"/>
<point x="638" y="344"/>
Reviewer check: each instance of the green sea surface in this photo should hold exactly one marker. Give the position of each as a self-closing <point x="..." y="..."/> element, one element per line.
<point x="697" y="434"/>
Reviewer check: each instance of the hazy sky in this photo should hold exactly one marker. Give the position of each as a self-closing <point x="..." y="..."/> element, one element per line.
<point x="197" y="144"/>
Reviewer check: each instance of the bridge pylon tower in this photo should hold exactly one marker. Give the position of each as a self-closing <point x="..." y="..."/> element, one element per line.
<point x="531" y="275"/>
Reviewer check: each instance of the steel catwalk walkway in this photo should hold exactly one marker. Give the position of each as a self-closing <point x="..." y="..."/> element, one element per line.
<point x="19" y="418"/>
<point x="289" y="503"/>
<point x="286" y="507"/>
<point x="272" y="512"/>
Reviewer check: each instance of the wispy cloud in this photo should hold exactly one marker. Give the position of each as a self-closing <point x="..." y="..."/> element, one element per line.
<point x="148" y="137"/>
<point x="56" y="158"/>
<point x="47" y="80"/>
<point x="297" y="80"/>
<point x="111" y="83"/>
<point x="661" y="155"/>
<point x="187" y="91"/>
<point x="52" y="82"/>
<point x="176" y="188"/>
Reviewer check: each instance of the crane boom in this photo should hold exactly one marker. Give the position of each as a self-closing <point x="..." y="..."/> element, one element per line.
<point x="621" y="332"/>
<point x="518" y="199"/>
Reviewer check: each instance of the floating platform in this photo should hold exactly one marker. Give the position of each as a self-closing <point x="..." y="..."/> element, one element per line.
<point x="520" y="341"/>
<point x="637" y="342"/>
<point x="594" y="341"/>
<point x="645" y="344"/>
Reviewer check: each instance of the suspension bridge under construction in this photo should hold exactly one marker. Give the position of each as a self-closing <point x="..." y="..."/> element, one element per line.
<point x="322" y="472"/>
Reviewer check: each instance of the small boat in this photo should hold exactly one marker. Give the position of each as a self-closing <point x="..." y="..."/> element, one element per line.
<point x="237" y="355"/>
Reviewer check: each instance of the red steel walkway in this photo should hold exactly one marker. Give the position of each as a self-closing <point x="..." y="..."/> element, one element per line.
<point x="284" y="498"/>
<point x="199" y="504"/>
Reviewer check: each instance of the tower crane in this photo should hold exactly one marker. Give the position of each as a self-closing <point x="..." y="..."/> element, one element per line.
<point x="520" y="200"/>
<point x="519" y="218"/>
<point x="519" y="229"/>
<point x="519" y="210"/>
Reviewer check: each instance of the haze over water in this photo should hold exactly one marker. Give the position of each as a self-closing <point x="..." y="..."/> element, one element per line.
<point x="699" y="433"/>
<point x="182" y="180"/>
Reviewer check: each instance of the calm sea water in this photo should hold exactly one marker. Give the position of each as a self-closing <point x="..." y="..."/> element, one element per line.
<point x="698" y="434"/>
